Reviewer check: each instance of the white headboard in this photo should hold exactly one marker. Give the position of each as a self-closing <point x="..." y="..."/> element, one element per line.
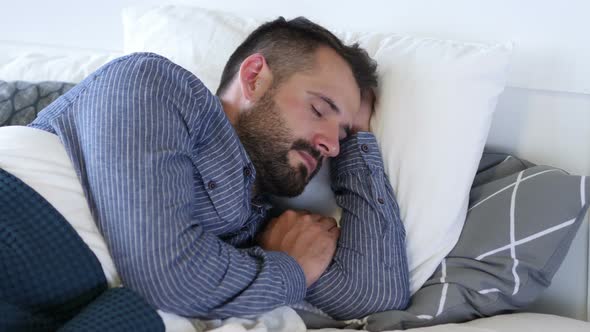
<point x="543" y="116"/>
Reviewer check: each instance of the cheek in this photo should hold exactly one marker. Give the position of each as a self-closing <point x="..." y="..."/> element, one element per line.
<point x="297" y="115"/>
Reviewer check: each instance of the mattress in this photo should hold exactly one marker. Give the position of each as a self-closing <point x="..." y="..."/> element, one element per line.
<point x="508" y="323"/>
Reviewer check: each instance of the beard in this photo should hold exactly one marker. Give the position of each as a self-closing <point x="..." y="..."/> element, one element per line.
<point x="267" y="141"/>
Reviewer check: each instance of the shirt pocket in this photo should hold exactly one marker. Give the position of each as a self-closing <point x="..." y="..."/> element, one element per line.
<point x="225" y="189"/>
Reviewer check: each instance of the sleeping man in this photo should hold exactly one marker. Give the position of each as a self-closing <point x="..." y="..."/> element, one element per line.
<point x="178" y="178"/>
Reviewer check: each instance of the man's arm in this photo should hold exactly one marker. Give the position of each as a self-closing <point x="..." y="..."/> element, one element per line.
<point x="138" y="120"/>
<point x="369" y="272"/>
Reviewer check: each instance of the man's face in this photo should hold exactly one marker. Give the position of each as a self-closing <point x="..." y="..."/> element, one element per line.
<point x="292" y="129"/>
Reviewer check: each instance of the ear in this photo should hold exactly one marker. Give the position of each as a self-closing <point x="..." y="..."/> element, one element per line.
<point x="255" y="78"/>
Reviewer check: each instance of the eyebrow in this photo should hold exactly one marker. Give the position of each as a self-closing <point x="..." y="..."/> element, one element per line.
<point x="327" y="100"/>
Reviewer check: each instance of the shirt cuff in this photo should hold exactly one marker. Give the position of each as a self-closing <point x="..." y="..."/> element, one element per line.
<point x="292" y="274"/>
<point x="357" y="152"/>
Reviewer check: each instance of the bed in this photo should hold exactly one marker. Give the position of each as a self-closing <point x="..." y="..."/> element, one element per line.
<point x="538" y="120"/>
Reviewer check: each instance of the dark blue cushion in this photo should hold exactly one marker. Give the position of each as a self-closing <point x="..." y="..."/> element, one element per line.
<point x="48" y="275"/>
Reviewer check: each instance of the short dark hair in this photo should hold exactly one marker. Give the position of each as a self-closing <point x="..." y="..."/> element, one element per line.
<point x="289" y="46"/>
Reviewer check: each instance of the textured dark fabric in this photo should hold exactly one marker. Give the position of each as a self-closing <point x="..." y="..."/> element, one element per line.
<point x="116" y="310"/>
<point x="48" y="275"/>
<point x="20" y="102"/>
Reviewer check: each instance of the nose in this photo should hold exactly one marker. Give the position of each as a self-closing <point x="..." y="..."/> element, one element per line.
<point x="327" y="143"/>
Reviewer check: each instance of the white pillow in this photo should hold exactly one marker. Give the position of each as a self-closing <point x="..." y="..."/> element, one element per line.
<point x="197" y="39"/>
<point x="435" y="104"/>
<point x="23" y="62"/>
<point x="434" y="109"/>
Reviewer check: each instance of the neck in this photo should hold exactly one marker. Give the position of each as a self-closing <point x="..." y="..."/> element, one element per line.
<point x="231" y="111"/>
<point x="230" y="100"/>
<point x="231" y="108"/>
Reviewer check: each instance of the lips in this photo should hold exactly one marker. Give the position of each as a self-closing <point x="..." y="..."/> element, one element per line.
<point x="310" y="162"/>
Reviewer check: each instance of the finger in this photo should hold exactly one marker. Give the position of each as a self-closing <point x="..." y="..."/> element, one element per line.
<point x="311" y="217"/>
<point x="288" y="218"/>
<point x="271" y="225"/>
<point x="335" y="232"/>
<point x="309" y="214"/>
<point x="328" y="223"/>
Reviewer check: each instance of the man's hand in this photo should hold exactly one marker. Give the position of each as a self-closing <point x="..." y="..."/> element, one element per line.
<point x="362" y="118"/>
<point x="309" y="238"/>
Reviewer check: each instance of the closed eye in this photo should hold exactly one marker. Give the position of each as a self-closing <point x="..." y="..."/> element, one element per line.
<point x="316" y="112"/>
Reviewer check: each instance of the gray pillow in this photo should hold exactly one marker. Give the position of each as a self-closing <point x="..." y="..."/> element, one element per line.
<point x="20" y="102"/>
<point x="520" y="224"/>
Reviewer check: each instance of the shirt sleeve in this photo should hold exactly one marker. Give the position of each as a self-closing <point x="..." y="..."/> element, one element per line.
<point x="138" y="120"/>
<point x="369" y="272"/>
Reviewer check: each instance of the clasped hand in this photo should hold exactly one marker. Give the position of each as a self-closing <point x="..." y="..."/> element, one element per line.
<point x="309" y="238"/>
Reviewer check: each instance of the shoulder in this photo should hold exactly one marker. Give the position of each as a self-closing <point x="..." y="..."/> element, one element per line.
<point x="161" y="87"/>
<point x="151" y="70"/>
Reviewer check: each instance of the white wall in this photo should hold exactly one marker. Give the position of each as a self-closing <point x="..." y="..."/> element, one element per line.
<point x="551" y="128"/>
<point x="83" y="24"/>
<point x="552" y="53"/>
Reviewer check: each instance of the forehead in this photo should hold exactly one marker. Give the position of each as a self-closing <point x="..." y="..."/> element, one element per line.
<point x="332" y="77"/>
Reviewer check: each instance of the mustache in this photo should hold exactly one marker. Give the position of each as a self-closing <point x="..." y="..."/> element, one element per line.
<point x="303" y="145"/>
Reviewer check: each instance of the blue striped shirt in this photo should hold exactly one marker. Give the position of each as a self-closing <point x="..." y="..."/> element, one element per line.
<point x="169" y="184"/>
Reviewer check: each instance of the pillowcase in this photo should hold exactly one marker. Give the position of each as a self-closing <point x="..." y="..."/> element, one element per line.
<point x="197" y="39"/>
<point x="433" y="113"/>
<point x="434" y="110"/>
<point x="33" y="63"/>
<point x="521" y="222"/>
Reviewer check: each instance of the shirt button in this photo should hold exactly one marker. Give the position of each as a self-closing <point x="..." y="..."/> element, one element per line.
<point x="211" y="185"/>
<point x="247" y="172"/>
<point x="380" y="200"/>
<point x="365" y="148"/>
